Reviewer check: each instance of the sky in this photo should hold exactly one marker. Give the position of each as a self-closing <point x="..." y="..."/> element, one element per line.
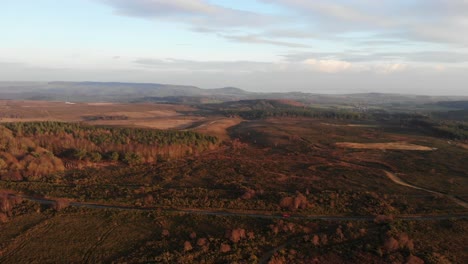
<point x="316" y="46"/>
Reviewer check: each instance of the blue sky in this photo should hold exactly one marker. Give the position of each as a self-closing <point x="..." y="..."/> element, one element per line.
<point x="324" y="46"/>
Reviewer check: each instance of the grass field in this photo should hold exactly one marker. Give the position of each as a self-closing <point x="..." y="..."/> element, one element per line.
<point x="161" y="116"/>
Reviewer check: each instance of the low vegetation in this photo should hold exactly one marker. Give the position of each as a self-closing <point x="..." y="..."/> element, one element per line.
<point x="287" y="184"/>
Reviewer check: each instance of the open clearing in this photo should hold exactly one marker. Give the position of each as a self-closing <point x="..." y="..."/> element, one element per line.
<point x="167" y="123"/>
<point x="143" y="115"/>
<point x="100" y="103"/>
<point x="159" y="116"/>
<point x="384" y="146"/>
<point x="217" y="127"/>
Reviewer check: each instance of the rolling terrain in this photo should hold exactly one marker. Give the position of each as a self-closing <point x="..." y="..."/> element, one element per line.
<point x="169" y="93"/>
<point x="250" y="181"/>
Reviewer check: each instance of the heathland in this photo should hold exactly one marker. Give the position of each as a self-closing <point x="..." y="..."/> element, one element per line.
<point x="234" y="180"/>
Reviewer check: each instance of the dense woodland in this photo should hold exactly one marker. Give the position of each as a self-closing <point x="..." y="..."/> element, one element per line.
<point x="32" y="150"/>
<point x="260" y="109"/>
<point x="293" y="112"/>
<point x="448" y="124"/>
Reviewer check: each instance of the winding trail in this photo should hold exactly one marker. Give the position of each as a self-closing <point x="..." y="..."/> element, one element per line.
<point x="87" y="257"/>
<point x="399" y="181"/>
<point x="264" y="215"/>
<point x="20" y="242"/>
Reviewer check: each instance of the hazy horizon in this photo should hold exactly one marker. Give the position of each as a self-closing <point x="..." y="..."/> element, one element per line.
<point x="327" y="47"/>
<point x="23" y="83"/>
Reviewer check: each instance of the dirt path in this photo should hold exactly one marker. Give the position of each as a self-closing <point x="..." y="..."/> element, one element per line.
<point x="385" y="146"/>
<point x="267" y="256"/>
<point x="195" y="211"/>
<point x="87" y="257"/>
<point x="217" y="127"/>
<point x="23" y="239"/>
<point x="399" y="181"/>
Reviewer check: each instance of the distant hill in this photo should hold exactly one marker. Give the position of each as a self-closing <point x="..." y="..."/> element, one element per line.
<point x="167" y="93"/>
<point x="113" y="91"/>
<point x="110" y="91"/>
<point x="452" y="110"/>
<point x="461" y="105"/>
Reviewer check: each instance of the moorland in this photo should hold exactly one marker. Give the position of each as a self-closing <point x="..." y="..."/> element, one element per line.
<point x="188" y="177"/>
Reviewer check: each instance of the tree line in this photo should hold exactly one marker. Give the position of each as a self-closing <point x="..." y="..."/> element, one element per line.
<point x="293" y="112"/>
<point x="35" y="149"/>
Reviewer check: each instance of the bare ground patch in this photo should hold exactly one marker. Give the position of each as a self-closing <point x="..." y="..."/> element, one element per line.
<point x="384" y="146"/>
<point x="147" y="114"/>
<point x="159" y="116"/>
<point x="463" y="145"/>
<point x="167" y="123"/>
<point x="42" y="110"/>
<point x="101" y="103"/>
<point x="217" y="127"/>
<point x="349" y="125"/>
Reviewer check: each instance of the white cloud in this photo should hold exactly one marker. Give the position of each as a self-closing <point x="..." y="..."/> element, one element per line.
<point x="328" y="66"/>
<point x="338" y="66"/>
<point x="393" y="21"/>
<point x="195" y="13"/>
<point x="388" y="68"/>
<point x="260" y="40"/>
<point x="436" y="21"/>
<point x="422" y="57"/>
<point x="178" y="65"/>
<point x="316" y="65"/>
<point x="440" y="68"/>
